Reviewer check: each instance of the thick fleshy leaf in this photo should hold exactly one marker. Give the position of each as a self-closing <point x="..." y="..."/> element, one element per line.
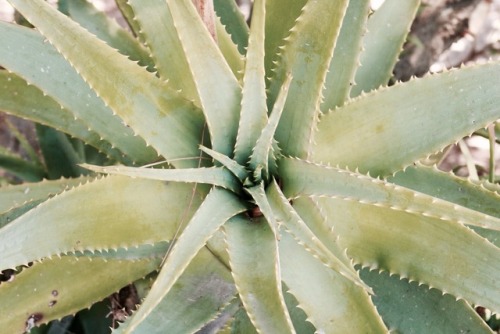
<point x="61" y="286"/>
<point x="232" y="18"/>
<point x="413" y="308"/>
<point x="207" y="220"/>
<point x="307" y="54"/>
<point x="28" y="102"/>
<point x="386" y="33"/>
<point x="442" y="254"/>
<point x="262" y="150"/>
<point x="215" y="175"/>
<point x="238" y="170"/>
<point x="108" y="30"/>
<point x="284" y="212"/>
<point x="18" y="166"/>
<point x="480" y="196"/>
<point x="258" y="194"/>
<point x="280" y="18"/>
<point x="464" y="100"/>
<point x="229" y="50"/>
<point x="257" y="277"/>
<point x="166" y="48"/>
<point x="125" y="212"/>
<point x="332" y="303"/>
<point x="253" y="116"/>
<point x="218" y="89"/>
<point x="29" y="55"/>
<point x="309" y="179"/>
<point x="129" y="16"/>
<point x="16" y="195"/>
<point x="345" y="61"/>
<point x="204" y="288"/>
<point x="156" y="112"/>
<point x="60" y="156"/>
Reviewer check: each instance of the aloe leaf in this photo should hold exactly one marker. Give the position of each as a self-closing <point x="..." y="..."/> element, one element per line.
<point x="232" y="18"/>
<point x="206" y="221"/>
<point x="258" y="194"/>
<point x="439" y="253"/>
<point x="41" y="65"/>
<point x="413" y="308"/>
<point x="238" y="170"/>
<point x="284" y="212"/>
<point x="241" y="323"/>
<point x="332" y="303"/>
<point x="259" y="160"/>
<point x="229" y="50"/>
<point x="253" y="116"/>
<point x="306" y="56"/>
<point x="345" y="61"/>
<point x="479" y="196"/>
<point x="13" y="196"/>
<point x="166" y="48"/>
<point x="129" y="16"/>
<point x="204" y="288"/>
<point x="299" y="317"/>
<point x="10" y="215"/>
<point x="16" y="165"/>
<point x="160" y="115"/>
<point x="309" y="179"/>
<point x="30" y="103"/>
<point x="24" y="144"/>
<point x="215" y="175"/>
<point x="108" y="30"/>
<point x="408" y="115"/>
<point x="218" y="89"/>
<point x="280" y="18"/>
<point x="68" y="285"/>
<point x="387" y="30"/>
<point x="125" y="213"/>
<point x="58" y="153"/>
<point x="257" y="277"/>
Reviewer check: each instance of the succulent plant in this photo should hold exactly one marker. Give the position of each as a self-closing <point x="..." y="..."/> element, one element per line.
<point x="263" y="179"/>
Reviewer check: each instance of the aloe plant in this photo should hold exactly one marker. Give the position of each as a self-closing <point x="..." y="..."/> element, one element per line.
<point x="291" y="197"/>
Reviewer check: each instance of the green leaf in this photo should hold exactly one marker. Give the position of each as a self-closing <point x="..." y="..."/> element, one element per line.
<point x="57" y="287"/>
<point x="408" y="307"/>
<point x="257" y="277"/>
<point x="439" y="253"/>
<point x="238" y="170"/>
<point x="125" y="213"/>
<point x="42" y="66"/>
<point x="215" y="175"/>
<point x="234" y="22"/>
<point x="159" y="114"/>
<point x="58" y="153"/>
<point x="28" y="102"/>
<point x="229" y="50"/>
<point x="16" y="165"/>
<point x="479" y="196"/>
<point x="345" y="61"/>
<point x="166" y="48"/>
<point x="280" y="18"/>
<point x="386" y="33"/>
<point x="258" y="194"/>
<point x="129" y="16"/>
<point x="253" y="116"/>
<point x="17" y="195"/>
<point x="108" y="30"/>
<point x="218" y="89"/>
<point x="332" y="303"/>
<point x="404" y="123"/>
<point x="202" y="290"/>
<point x="303" y="178"/>
<point x="285" y="213"/>
<point x="207" y="220"/>
<point x="306" y="56"/>
<point x="262" y="151"/>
